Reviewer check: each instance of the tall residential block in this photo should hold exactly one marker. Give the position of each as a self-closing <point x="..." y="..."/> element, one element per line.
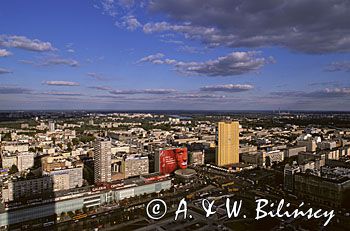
<point x="227" y="143"/>
<point x="102" y="161"/>
<point x="51" y="126"/>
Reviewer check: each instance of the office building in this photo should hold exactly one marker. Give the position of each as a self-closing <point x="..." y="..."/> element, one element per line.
<point x="21" y="188"/>
<point x="325" y="190"/>
<point x="288" y="173"/>
<point x="8" y="160"/>
<point x="135" y="166"/>
<point x="255" y="158"/>
<point x="196" y="158"/>
<point x="310" y="144"/>
<point x="68" y="178"/>
<point x="294" y="151"/>
<point x="102" y="161"/>
<point x="275" y="156"/>
<point x="227" y="143"/>
<point x="25" y="160"/>
<point x="51" y="126"/>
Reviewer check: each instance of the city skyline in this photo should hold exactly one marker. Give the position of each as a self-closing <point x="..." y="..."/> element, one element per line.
<point x="186" y="55"/>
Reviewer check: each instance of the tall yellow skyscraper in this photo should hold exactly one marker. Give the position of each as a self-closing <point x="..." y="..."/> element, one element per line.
<point x="227" y="151"/>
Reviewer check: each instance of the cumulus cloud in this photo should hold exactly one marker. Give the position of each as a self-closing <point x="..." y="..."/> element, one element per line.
<point x="310" y="26"/>
<point x="4" y="71"/>
<point x="235" y="63"/>
<point x="143" y="91"/>
<point x="230" y="88"/>
<point x="151" y="58"/>
<point x="14" y="90"/>
<point x="51" y="61"/>
<point x="4" y="53"/>
<point x="122" y="9"/>
<point x="61" y="83"/>
<point x="339" y="66"/>
<point x="25" y="43"/>
<point x="130" y="22"/>
<point x="108" y="7"/>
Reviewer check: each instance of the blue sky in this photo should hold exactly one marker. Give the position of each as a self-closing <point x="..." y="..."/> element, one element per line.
<point x="183" y="54"/>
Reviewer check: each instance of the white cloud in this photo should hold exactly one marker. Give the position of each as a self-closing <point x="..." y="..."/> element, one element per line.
<point x="322" y="27"/>
<point x="151" y="58"/>
<point x="339" y="66"/>
<point x="62" y="93"/>
<point x="235" y="63"/>
<point x="130" y="22"/>
<point x="4" y="53"/>
<point x="60" y="61"/>
<point x="61" y="83"/>
<point x="143" y="91"/>
<point x="25" y="43"/>
<point x="228" y="88"/>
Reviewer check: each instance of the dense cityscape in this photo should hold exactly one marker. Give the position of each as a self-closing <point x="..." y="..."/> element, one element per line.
<point x="98" y="170"/>
<point x="179" y="115"/>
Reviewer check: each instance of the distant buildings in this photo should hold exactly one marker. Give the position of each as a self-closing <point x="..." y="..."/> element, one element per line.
<point x="13" y="146"/>
<point x="289" y="173"/>
<point x="227" y="143"/>
<point x="135" y="165"/>
<point x="102" y="161"/>
<point x="293" y="151"/>
<point x="50" y="163"/>
<point x="275" y="156"/>
<point x="196" y="158"/>
<point x="8" y="160"/>
<point x="19" y="188"/>
<point x="255" y="158"/>
<point x="51" y="126"/>
<point x="309" y="143"/>
<point x="319" y="159"/>
<point x="68" y="178"/>
<point x="330" y="191"/>
<point x="22" y="160"/>
<point x="25" y="160"/>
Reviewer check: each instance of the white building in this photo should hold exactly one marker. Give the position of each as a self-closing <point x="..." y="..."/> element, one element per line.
<point x="25" y="160"/>
<point x="102" y="161"/>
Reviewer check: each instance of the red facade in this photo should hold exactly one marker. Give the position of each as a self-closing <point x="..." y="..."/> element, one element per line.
<point x="172" y="159"/>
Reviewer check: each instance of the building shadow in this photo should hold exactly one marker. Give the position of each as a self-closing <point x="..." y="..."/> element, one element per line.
<point x="31" y="204"/>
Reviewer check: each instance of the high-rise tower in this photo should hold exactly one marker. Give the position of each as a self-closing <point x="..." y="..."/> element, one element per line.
<point x="227" y="143"/>
<point x="102" y="161"/>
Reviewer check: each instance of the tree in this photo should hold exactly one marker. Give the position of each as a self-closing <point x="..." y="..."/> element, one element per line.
<point x="13" y="169"/>
<point x="75" y="141"/>
<point x="69" y="147"/>
<point x="267" y="161"/>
